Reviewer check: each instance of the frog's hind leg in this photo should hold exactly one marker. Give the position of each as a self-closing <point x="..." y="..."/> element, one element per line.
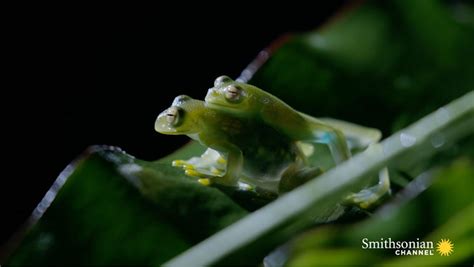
<point x="321" y="132"/>
<point x="358" y="137"/>
<point x="369" y="196"/>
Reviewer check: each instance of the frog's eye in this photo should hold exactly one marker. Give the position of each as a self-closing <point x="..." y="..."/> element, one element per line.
<point x="180" y="99"/>
<point x="233" y="93"/>
<point x="174" y="116"/>
<point x="221" y="80"/>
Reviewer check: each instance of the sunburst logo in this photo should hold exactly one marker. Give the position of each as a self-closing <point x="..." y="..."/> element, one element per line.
<point x="444" y="247"/>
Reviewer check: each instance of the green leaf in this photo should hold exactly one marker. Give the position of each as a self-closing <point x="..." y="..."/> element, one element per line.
<point x="113" y="209"/>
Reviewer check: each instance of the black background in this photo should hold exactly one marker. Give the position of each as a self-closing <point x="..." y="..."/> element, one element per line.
<point x="80" y="78"/>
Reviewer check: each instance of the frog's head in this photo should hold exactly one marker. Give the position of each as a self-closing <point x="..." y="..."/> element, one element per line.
<point x="181" y="118"/>
<point x="232" y="96"/>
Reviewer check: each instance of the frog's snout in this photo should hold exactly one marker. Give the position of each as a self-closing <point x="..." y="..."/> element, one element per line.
<point x="162" y="125"/>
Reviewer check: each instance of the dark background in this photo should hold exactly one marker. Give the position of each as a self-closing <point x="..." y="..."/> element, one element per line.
<point x="81" y="78"/>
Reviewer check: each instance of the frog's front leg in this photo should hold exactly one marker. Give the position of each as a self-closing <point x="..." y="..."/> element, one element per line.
<point x="229" y="177"/>
<point x="210" y="163"/>
<point x="212" y="167"/>
<point x="369" y="196"/>
<point x="233" y="166"/>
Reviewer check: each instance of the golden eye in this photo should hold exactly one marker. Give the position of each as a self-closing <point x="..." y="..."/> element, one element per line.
<point x="221" y="80"/>
<point x="233" y="93"/>
<point x="172" y="115"/>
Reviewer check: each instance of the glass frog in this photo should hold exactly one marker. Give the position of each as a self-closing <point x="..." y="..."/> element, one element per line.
<point x="239" y="149"/>
<point x="247" y="101"/>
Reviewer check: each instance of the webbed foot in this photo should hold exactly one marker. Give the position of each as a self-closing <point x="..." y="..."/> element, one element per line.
<point x="207" y="174"/>
<point x="367" y="197"/>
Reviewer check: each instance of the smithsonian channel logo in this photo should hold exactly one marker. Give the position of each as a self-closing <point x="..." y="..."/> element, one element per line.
<point x="444" y="247"/>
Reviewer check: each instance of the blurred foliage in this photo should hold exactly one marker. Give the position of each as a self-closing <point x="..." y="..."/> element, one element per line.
<point x="445" y="210"/>
<point x="383" y="64"/>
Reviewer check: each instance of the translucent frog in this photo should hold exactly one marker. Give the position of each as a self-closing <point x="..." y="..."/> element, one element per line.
<point x="242" y="151"/>
<point x="247" y="101"/>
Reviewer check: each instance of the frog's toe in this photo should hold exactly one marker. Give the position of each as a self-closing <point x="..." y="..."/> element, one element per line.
<point x="222" y="161"/>
<point x="365" y="199"/>
<point x="205" y="181"/>
<point x="217" y="172"/>
<point x="182" y="163"/>
<point x="194" y="173"/>
<point x="246" y="187"/>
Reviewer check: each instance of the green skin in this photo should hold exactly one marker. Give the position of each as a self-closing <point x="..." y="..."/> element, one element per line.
<point x="240" y="149"/>
<point x="247" y="101"/>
